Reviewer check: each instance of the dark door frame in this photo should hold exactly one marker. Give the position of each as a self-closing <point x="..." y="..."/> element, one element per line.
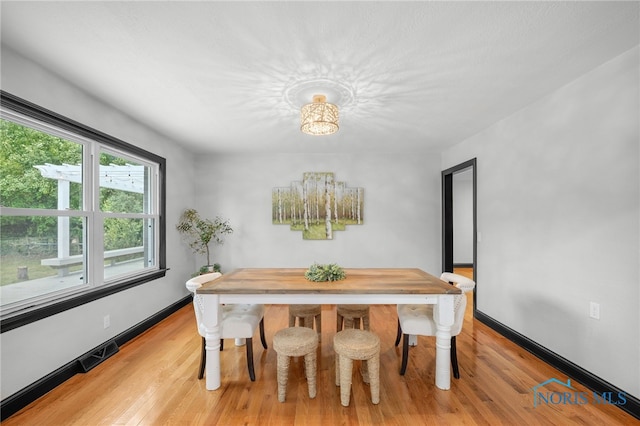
<point x="447" y="219"/>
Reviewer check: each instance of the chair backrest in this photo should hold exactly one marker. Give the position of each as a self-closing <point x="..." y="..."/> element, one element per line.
<point x="463" y="283"/>
<point x="192" y="285"/>
<point x="460" y="301"/>
<point x="459" y="306"/>
<point x="196" y="282"/>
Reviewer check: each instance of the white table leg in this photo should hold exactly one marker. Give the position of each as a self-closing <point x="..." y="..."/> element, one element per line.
<point x="443" y="315"/>
<point x="211" y="319"/>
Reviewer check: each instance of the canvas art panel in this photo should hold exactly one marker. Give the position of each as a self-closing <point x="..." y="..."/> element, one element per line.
<point x="317" y="206"/>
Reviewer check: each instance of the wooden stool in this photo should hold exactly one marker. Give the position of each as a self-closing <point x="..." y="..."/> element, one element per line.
<point x="362" y="345"/>
<point x="350" y="316"/>
<point x="306" y="315"/>
<point x="295" y="341"/>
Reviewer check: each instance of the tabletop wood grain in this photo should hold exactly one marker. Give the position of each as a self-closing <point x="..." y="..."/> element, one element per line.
<point x="357" y="281"/>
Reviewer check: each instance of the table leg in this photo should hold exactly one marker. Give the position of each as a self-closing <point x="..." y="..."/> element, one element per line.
<point x="211" y="320"/>
<point x="443" y="315"/>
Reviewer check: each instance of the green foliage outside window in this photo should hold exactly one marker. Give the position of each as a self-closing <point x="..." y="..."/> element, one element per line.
<point x="22" y="186"/>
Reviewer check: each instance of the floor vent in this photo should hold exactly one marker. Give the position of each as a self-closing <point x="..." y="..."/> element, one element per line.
<point x="101" y="353"/>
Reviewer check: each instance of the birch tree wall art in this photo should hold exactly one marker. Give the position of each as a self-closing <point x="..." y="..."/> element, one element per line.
<point x="318" y="206"/>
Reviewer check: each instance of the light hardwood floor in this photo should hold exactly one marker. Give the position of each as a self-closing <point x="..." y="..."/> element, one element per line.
<point x="153" y="381"/>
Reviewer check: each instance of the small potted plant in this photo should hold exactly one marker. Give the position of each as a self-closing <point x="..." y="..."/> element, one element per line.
<point x="200" y="233"/>
<point x="320" y="273"/>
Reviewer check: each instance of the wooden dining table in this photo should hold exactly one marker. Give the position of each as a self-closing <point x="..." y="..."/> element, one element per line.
<point x="372" y="286"/>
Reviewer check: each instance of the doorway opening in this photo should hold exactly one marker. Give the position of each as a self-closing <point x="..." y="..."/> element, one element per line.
<point x="459" y="234"/>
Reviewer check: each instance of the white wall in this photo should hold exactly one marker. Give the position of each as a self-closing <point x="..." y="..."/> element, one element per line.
<point x="401" y="210"/>
<point x="558" y="210"/>
<point x="31" y="352"/>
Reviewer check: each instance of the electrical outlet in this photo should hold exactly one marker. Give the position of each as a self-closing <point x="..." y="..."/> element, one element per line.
<point x="594" y="310"/>
<point x="106" y="321"/>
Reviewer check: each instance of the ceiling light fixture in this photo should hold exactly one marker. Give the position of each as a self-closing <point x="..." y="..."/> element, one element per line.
<point x="319" y="117"/>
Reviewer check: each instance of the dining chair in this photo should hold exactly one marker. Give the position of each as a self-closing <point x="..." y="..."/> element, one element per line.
<point x="418" y="320"/>
<point x="239" y="321"/>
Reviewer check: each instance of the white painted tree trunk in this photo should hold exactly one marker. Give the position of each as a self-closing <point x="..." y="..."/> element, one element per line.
<point x="305" y="203"/>
<point x="358" y="206"/>
<point x="327" y="208"/>
<point x="335" y="200"/>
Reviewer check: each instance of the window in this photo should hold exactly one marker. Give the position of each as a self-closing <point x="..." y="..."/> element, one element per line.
<point x="81" y="214"/>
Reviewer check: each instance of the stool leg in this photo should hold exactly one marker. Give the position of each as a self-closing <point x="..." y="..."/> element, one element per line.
<point x="337" y="357"/>
<point x="374" y="375"/>
<point x="364" y="371"/>
<point x="292" y="320"/>
<point x="319" y="326"/>
<point x="339" y="322"/>
<point x="348" y="323"/>
<point x="307" y="322"/>
<point x="310" y="370"/>
<point x="346" y="369"/>
<point x="356" y="323"/>
<point x="283" y="376"/>
<point x="365" y="322"/>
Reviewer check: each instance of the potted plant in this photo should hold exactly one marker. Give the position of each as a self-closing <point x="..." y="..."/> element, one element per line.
<point x="200" y="233"/>
<point x="320" y="273"/>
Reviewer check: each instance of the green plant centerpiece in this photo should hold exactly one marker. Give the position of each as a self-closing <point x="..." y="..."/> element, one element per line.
<point x="200" y="233"/>
<point x="330" y="272"/>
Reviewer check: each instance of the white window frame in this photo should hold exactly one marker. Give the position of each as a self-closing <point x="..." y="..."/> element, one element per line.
<point x="98" y="216"/>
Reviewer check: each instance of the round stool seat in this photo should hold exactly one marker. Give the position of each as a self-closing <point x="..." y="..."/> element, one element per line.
<point x="353" y="309"/>
<point x="290" y="342"/>
<point x="304" y="310"/>
<point x="306" y="315"/>
<point x="350" y="316"/>
<point x="355" y="344"/>
<point x="295" y="341"/>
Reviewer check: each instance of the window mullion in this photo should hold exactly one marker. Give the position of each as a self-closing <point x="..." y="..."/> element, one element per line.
<point x="95" y="262"/>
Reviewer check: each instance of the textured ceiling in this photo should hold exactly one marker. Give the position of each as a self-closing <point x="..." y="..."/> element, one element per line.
<point x="221" y="76"/>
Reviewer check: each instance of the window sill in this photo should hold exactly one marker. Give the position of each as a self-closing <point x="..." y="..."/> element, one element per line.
<point x="23" y="318"/>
